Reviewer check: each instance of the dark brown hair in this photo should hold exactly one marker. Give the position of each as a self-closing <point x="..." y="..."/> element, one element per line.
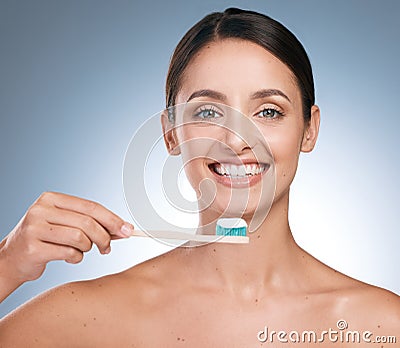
<point x="247" y="25"/>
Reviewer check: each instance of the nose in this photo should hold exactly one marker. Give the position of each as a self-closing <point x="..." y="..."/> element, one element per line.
<point x="237" y="133"/>
<point x="236" y="142"/>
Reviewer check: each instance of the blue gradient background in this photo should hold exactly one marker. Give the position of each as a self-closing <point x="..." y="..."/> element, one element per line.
<point x="77" y="78"/>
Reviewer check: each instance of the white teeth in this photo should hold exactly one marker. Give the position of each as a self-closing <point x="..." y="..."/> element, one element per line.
<point x="233" y="170"/>
<point x="219" y="170"/>
<point x="241" y="171"/>
<point x="238" y="170"/>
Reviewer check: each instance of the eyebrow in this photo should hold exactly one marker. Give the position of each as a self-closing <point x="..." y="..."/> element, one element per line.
<point x="263" y="93"/>
<point x="208" y="93"/>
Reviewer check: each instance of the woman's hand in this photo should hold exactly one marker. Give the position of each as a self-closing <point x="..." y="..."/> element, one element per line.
<point x="56" y="227"/>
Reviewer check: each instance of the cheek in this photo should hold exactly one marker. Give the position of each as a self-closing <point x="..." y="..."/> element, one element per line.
<point x="196" y="144"/>
<point x="194" y="147"/>
<point x="285" y="147"/>
<point x="193" y="174"/>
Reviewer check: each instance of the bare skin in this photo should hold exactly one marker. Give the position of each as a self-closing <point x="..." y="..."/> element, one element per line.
<point x="218" y="295"/>
<point x="55" y="227"/>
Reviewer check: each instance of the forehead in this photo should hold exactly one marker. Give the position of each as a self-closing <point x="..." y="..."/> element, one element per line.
<point x="237" y="68"/>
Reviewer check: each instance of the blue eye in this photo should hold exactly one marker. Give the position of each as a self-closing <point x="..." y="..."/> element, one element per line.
<point x="270" y="113"/>
<point x="207" y="112"/>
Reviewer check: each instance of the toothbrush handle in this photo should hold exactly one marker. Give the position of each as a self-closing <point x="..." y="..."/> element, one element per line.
<point x="192" y="237"/>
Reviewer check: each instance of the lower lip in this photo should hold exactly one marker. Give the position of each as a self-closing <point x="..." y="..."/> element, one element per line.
<point x="238" y="182"/>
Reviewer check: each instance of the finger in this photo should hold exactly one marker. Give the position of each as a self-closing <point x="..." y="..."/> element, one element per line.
<point x="117" y="237"/>
<point x="111" y="222"/>
<point x="68" y="254"/>
<point x="49" y="252"/>
<point x="91" y="228"/>
<point x="65" y="235"/>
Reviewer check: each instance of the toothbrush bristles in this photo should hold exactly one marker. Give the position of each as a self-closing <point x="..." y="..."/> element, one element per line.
<point x="231" y="227"/>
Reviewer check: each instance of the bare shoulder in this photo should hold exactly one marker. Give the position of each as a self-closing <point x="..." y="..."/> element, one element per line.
<point x="74" y="314"/>
<point x="371" y="311"/>
<point x="363" y="306"/>
<point x="374" y="305"/>
<point x="360" y="305"/>
<point x="366" y="298"/>
<point x="49" y="318"/>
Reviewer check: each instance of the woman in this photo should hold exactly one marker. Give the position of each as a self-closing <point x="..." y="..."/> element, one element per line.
<point x="216" y="295"/>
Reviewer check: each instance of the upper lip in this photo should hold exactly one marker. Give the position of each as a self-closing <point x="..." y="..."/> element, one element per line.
<point x="238" y="161"/>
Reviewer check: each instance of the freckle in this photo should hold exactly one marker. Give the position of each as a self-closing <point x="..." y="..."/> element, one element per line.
<point x="183" y="340"/>
<point x="216" y="268"/>
<point x="94" y="318"/>
<point x="214" y="250"/>
<point x="379" y="326"/>
<point x="100" y="285"/>
<point x="306" y="297"/>
<point x="51" y="228"/>
<point x="72" y="292"/>
<point x="178" y="338"/>
<point x="76" y="300"/>
<point x="84" y="325"/>
<point x="258" y="236"/>
<point x="256" y="300"/>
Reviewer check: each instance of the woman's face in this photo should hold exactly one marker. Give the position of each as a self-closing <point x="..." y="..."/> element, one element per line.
<point x="245" y="77"/>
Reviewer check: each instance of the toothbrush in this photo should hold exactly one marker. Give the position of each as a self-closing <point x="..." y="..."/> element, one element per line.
<point x="228" y="230"/>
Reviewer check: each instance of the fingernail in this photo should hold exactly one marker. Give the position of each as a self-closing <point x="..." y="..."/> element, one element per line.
<point x="108" y="250"/>
<point x="127" y="230"/>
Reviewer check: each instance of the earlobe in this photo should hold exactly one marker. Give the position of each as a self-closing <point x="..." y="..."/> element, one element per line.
<point x="169" y="133"/>
<point x="311" y="131"/>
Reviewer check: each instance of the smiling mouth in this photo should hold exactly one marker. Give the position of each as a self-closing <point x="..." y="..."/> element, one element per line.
<point x="240" y="171"/>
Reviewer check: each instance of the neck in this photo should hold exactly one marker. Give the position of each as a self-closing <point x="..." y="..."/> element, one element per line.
<point x="270" y="257"/>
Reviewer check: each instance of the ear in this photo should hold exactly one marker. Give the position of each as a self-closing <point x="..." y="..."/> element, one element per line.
<point x="311" y="130"/>
<point x="169" y="133"/>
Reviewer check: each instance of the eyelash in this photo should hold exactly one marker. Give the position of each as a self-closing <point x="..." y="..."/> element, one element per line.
<point x="279" y="114"/>
<point x="209" y="109"/>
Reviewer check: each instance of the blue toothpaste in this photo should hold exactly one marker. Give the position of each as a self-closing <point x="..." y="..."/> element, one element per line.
<point x="231" y="227"/>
